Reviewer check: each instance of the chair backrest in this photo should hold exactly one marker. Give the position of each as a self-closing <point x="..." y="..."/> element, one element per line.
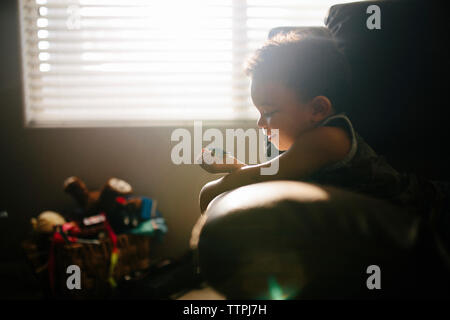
<point x="398" y="104"/>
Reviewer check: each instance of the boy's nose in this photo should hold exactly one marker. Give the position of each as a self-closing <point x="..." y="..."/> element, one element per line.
<point x="262" y="123"/>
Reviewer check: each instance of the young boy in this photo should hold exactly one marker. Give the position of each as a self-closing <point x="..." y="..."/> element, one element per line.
<point x="301" y="86"/>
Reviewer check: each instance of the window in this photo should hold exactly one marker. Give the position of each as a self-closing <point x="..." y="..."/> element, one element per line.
<point x="130" y="62"/>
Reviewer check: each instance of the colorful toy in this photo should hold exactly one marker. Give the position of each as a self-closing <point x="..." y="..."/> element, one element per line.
<point x="94" y="202"/>
<point x="131" y="212"/>
<point x="46" y="221"/>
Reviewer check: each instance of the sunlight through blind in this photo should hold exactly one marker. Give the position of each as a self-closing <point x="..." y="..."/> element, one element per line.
<point x="134" y="61"/>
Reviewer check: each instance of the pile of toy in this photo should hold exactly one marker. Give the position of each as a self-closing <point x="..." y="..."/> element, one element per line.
<point x="107" y="236"/>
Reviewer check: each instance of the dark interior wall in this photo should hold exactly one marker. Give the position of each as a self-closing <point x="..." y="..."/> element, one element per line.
<point x="400" y="80"/>
<point x="35" y="162"/>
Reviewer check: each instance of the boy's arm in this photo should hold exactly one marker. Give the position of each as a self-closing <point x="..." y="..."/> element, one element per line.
<point x="310" y="152"/>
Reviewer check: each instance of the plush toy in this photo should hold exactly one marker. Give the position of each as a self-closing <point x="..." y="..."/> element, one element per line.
<point x="93" y="202"/>
<point x="46" y="222"/>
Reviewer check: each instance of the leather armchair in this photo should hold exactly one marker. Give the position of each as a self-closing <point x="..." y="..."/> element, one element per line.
<point x="287" y="239"/>
<point x="313" y="242"/>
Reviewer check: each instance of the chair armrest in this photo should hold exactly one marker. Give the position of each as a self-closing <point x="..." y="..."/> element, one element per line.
<point x="314" y="241"/>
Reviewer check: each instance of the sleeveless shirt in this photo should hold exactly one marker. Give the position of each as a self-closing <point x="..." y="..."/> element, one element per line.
<point x="364" y="171"/>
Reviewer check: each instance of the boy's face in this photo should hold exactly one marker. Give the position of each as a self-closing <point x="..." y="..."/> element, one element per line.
<point x="280" y="108"/>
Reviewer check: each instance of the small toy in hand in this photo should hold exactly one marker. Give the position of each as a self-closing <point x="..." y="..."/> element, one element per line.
<point x="94" y="202"/>
<point x="216" y="160"/>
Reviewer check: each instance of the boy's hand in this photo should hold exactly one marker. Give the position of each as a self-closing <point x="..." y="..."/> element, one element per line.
<point x="211" y="159"/>
<point x="238" y="178"/>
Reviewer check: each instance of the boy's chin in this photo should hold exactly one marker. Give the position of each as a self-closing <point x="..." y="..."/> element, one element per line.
<point x="281" y="143"/>
<point x="279" y="146"/>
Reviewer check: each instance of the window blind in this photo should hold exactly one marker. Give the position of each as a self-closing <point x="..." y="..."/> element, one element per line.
<point x="150" y="62"/>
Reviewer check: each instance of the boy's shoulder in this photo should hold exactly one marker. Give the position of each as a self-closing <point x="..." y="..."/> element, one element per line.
<point x="335" y="140"/>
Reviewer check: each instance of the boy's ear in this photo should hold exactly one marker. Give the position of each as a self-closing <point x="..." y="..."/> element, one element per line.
<point x="321" y="108"/>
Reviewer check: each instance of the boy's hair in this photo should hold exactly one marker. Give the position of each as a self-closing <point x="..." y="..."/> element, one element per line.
<point x="310" y="65"/>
